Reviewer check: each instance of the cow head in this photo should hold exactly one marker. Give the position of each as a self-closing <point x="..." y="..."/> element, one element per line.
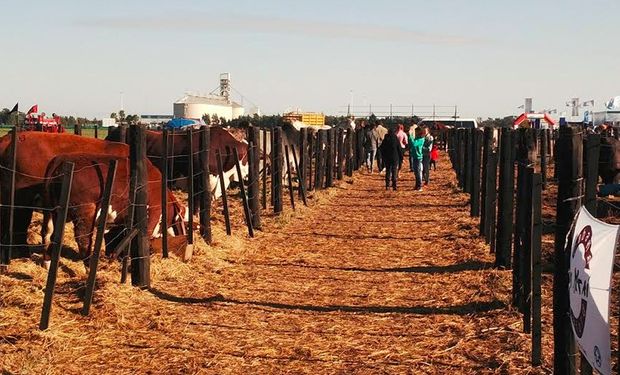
<point x="179" y="218"/>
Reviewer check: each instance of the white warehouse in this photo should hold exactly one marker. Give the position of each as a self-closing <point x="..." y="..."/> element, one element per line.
<point x="196" y="106"/>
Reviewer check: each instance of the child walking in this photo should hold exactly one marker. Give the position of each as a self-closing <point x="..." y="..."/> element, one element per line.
<point x="434" y="156"/>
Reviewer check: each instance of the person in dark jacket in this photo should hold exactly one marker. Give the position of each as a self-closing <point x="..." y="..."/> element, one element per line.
<point x="392" y="153"/>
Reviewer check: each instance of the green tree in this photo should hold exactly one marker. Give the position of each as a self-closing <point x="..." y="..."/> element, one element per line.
<point x="206" y="118"/>
<point x="132" y="119"/>
<point x="214" y="119"/>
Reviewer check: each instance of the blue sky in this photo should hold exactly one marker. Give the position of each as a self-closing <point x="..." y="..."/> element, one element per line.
<point x="75" y="57"/>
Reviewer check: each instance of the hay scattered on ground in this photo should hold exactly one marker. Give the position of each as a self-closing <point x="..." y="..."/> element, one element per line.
<point x="363" y="281"/>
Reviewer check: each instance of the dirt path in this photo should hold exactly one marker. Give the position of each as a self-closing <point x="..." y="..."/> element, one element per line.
<point x="365" y="281"/>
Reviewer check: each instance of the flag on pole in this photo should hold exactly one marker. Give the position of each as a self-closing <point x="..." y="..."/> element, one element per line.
<point x="15" y="108"/>
<point x="33" y="109"/>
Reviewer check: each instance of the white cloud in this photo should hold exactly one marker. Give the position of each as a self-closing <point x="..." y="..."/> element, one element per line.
<point x="273" y="25"/>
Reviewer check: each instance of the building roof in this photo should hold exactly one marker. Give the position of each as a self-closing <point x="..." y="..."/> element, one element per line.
<point x="207" y="99"/>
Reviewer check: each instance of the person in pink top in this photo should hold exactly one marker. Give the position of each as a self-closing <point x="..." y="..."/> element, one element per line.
<point x="402" y="140"/>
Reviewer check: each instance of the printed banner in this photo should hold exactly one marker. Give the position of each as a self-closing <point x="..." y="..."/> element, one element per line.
<point x="591" y="265"/>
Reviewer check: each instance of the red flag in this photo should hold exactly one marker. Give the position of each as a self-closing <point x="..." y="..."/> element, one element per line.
<point x="33" y="109"/>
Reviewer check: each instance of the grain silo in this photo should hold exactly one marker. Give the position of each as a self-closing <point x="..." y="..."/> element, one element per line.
<point x="196" y="106"/>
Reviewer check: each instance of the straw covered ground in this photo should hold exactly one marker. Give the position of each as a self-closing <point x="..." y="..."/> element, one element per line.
<point x="363" y="281"/>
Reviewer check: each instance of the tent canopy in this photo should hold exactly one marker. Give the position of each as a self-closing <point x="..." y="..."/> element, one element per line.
<point x="180" y="123"/>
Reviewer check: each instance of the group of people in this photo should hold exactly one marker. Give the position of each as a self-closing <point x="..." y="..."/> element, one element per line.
<point x="388" y="147"/>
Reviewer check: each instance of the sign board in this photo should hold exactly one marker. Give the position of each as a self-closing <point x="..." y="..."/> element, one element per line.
<point x="591" y="264"/>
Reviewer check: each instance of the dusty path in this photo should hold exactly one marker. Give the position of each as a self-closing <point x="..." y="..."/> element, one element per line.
<point x="366" y="281"/>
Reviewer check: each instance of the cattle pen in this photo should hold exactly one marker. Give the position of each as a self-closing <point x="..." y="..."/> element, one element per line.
<point x="358" y="279"/>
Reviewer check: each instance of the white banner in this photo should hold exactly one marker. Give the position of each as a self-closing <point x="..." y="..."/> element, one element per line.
<point x="591" y="265"/>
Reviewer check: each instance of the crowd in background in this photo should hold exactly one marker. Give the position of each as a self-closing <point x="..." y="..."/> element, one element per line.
<point x="386" y="147"/>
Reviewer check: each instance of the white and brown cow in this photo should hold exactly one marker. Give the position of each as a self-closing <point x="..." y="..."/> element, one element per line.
<point x="178" y="149"/>
<point x="90" y="173"/>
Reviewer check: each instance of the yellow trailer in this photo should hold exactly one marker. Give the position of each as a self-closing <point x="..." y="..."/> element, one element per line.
<point x="308" y="118"/>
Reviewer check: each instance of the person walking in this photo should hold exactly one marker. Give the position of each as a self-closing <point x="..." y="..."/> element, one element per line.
<point x="380" y="133"/>
<point x="391" y="153"/>
<point x="410" y="136"/>
<point x="402" y="139"/>
<point x="416" y="143"/>
<point x="371" y="144"/>
<point x="426" y="155"/>
<point x="434" y="156"/>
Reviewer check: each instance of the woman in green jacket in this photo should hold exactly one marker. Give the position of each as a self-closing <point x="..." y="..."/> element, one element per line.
<point x="415" y="156"/>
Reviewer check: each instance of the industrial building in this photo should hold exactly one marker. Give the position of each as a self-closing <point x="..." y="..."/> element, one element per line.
<point x="195" y="106"/>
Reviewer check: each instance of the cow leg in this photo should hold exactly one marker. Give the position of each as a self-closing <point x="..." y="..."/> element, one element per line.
<point x="83" y="227"/>
<point x="21" y="221"/>
<point x="47" y="228"/>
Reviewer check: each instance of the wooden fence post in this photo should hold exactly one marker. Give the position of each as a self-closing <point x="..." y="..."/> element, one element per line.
<point x="302" y="184"/>
<point x="309" y="158"/>
<point x="57" y="238"/>
<point x="486" y="149"/>
<point x="319" y="169"/>
<point x="190" y="188"/>
<point x="220" y="172"/>
<point x="348" y="152"/>
<point x="244" y="198"/>
<point x="544" y="151"/>
<point x="526" y="249"/>
<point x="164" y="194"/>
<point x="341" y="157"/>
<point x="505" y="201"/>
<point x="467" y="173"/>
<point x="520" y="216"/>
<point x="276" y="174"/>
<point x="536" y="269"/>
<point x="302" y="168"/>
<point x="569" y="168"/>
<point x="491" y="202"/>
<point x="253" y="174"/>
<point x="205" y="194"/>
<point x="124" y="246"/>
<point x="264" y="192"/>
<point x="329" y="158"/>
<point x="592" y="147"/>
<point x="461" y="157"/>
<point x="354" y="150"/>
<point x="140" y="254"/>
<point x="476" y="140"/>
<point x="289" y="177"/>
<point x="7" y="251"/>
<point x="103" y="218"/>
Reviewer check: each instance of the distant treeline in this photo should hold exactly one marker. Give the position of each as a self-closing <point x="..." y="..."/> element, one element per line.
<point x="67" y="121"/>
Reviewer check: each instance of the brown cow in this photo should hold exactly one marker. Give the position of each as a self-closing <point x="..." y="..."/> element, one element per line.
<point x="220" y="139"/>
<point x="35" y="150"/>
<point x="90" y="172"/>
